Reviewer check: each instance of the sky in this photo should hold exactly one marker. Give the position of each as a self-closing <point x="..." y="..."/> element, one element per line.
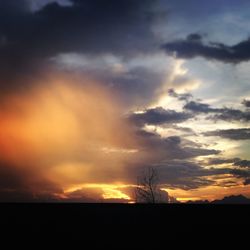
<point x="94" y="92"/>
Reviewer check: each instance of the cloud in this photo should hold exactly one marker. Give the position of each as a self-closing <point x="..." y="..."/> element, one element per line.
<point x="24" y="185"/>
<point x="247" y="182"/>
<point x="13" y="7"/>
<point x="242" y="163"/>
<point x="236" y="162"/>
<point x="57" y="132"/>
<point x="240" y="173"/>
<point x="39" y="4"/>
<point x="85" y="195"/>
<point x="226" y="114"/>
<point x="194" y="46"/>
<point x="246" y="103"/>
<point x="63" y="130"/>
<point x="219" y="161"/>
<point x="187" y="174"/>
<point x="159" y="116"/>
<point x="137" y="86"/>
<point x="198" y="107"/>
<point x="29" y="38"/>
<point x="73" y="153"/>
<point x="180" y="97"/>
<point x="233" y="134"/>
<point x="232" y="115"/>
<point x="138" y="82"/>
<point x="154" y="149"/>
<point x="62" y="133"/>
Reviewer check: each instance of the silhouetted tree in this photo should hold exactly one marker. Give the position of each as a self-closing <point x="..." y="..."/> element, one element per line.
<point x="147" y="189"/>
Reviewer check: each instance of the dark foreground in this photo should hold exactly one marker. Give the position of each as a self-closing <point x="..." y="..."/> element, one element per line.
<point x="104" y="224"/>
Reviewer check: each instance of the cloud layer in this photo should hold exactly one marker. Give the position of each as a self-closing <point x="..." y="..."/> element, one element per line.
<point x="94" y="92"/>
<point x="29" y="39"/>
<point x="194" y="46"/>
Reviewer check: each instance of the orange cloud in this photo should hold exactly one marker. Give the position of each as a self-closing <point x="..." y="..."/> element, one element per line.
<point x="60" y="128"/>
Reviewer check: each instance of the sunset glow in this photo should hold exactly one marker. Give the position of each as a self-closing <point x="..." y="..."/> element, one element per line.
<point x="94" y="93"/>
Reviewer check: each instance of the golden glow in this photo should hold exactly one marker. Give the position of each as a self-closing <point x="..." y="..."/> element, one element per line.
<point x="119" y="150"/>
<point x="185" y="199"/>
<point x="67" y="131"/>
<point x="171" y="81"/>
<point x="110" y="191"/>
<point x="114" y="194"/>
<point x="209" y="193"/>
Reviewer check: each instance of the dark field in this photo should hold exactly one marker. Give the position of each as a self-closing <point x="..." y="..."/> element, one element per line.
<point x="108" y="214"/>
<point x="102" y="224"/>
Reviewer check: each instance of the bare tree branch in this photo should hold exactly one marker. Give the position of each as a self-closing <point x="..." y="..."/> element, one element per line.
<point x="147" y="190"/>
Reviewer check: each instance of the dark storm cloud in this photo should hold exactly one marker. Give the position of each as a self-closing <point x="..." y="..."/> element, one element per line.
<point x="218" y="161"/>
<point x="236" y="162"/>
<point x="242" y="163"/>
<point x="233" y="134"/>
<point x="136" y="87"/>
<point x="187" y="175"/>
<point x="213" y="113"/>
<point x="240" y="173"/>
<point x="28" y="38"/>
<point x="194" y="152"/>
<point x="200" y="107"/>
<point x="194" y="46"/>
<point x="226" y="114"/>
<point x="158" y="116"/>
<point x="98" y="26"/>
<point x="246" y="182"/>
<point x="20" y="185"/>
<point x="13" y="7"/>
<point x="170" y="148"/>
<point x="181" y="97"/>
<point x="38" y="4"/>
<point x="196" y="10"/>
<point x="187" y="131"/>
<point x="246" y="103"/>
